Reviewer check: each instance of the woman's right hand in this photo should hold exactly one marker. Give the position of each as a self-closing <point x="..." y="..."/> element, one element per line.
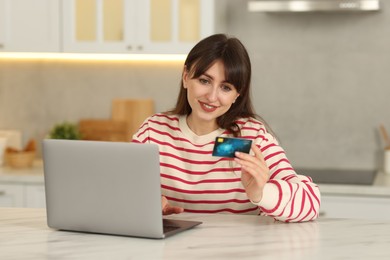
<point x="167" y="209"/>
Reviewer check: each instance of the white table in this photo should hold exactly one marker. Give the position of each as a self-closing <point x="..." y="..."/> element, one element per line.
<point x="25" y="188"/>
<point x="25" y="235"/>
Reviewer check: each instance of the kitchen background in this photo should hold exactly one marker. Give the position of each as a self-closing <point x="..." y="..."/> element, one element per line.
<point x="319" y="79"/>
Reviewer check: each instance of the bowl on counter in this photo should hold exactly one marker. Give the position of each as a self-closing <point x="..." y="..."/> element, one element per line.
<point x="20" y="159"/>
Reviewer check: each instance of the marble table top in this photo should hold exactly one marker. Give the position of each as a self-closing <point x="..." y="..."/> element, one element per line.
<point x="25" y="235"/>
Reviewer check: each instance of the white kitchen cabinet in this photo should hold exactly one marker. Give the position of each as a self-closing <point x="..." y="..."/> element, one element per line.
<point x="356" y="207"/>
<point x="34" y="196"/>
<point x="135" y="26"/>
<point x="30" y="25"/>
<point x="175" y="26"/>
<point x="11" y="195"/>
<point x="2" y="24"/>
<point x="22" y="195"/>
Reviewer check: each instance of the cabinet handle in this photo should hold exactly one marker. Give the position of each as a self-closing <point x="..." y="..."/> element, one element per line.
<point x="140" y="47"/>
<point x="2" y="193"/>
<point x="1" y="46"/>
<point x="129" y="47"/>
<point x="322" y="214"/>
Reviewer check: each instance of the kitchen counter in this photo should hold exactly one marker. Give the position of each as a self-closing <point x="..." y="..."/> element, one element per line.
<point x="380" y="187"/>
<point x="31" y="175"/>
<point x="25" y="235"/>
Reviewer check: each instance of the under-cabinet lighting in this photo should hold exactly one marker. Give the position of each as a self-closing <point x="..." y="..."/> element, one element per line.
<point x="313" y="6"/>
<point x="91" y="57"/>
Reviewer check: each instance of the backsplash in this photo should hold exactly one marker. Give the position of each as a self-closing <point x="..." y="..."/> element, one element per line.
<point x="320" y="81"/>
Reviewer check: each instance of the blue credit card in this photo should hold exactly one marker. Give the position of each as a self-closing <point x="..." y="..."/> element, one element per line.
<point x="227" y="146"/>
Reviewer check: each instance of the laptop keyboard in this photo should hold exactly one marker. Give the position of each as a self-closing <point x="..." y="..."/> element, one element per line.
<point x="169" y="228"/>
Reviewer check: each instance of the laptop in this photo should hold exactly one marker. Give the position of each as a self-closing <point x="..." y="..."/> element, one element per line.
<point x="106" y="187"/>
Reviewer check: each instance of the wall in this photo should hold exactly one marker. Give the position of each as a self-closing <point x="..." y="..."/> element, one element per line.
<point x="35" y="95"/>
<point x="318" y="79"/>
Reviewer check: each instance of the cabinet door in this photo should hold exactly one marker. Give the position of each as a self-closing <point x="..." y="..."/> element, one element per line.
<point x="31" y="26"/>
<point x="2" y="24"/>
<point x="174" y="26"/>
<point x="35" y="196"/>
<point x="11" y="195"/>
<point x="99" y="26"/>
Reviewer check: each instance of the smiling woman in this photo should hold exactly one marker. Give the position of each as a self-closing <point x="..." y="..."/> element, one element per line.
<point x="214" y="101"/>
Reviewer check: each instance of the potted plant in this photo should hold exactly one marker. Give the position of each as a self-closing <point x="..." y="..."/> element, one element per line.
<point x="65" y="130"/>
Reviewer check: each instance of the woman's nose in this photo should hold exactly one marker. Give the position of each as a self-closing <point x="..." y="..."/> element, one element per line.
<point x="212" y="94"/>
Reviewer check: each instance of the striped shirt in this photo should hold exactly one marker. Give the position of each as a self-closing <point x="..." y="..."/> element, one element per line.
<point x="200" y="183"/>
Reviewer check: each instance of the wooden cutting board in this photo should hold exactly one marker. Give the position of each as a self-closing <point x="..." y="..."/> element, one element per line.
<point x="104" y="130"/>
<point x="132" y="111"/>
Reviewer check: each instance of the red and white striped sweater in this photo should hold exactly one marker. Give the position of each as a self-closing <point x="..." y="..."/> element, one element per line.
<point x="195" y="180"/>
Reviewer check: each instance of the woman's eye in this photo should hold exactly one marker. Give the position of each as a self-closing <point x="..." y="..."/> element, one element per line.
<point x="203" y="81"/>
<point x="226" y="88"/>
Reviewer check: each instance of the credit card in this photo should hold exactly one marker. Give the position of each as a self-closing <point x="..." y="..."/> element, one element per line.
<point x="227" y="146"/>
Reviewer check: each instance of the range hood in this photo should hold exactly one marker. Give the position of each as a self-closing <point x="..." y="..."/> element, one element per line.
<point x="313" y="5"/>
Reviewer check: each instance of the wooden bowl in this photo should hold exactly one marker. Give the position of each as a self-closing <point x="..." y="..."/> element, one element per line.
<point x="20" y="159"/>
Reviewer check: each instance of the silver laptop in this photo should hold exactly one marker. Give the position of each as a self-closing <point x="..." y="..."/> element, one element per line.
<point x="106" y="187"/>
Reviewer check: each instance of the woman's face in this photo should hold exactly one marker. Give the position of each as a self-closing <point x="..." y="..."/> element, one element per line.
<point x="209" y="96"/>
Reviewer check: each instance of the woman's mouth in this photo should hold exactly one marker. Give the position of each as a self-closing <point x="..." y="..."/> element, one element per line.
<point x="207" y="107"/>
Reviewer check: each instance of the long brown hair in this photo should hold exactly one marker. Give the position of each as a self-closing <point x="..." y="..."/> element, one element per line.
<point x="237" y="64"/>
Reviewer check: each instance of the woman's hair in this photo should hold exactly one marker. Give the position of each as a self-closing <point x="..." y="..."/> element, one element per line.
<point x="232" y="53"/>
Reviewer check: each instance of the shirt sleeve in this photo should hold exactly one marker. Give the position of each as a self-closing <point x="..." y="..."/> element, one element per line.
<point x="287" y="196"/>
<point x="142" y="135"/>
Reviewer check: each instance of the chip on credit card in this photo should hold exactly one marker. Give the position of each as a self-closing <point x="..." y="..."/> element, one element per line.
<point x="227" y="146"/>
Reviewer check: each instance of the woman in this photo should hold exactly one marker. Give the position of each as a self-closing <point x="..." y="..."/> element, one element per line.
<point x="214" y="101"/>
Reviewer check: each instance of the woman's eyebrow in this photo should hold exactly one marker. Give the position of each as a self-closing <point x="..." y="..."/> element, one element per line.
<point x="207" y="75"/>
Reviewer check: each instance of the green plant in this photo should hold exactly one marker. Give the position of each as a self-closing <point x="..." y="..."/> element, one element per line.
<point x="65" y="130"/>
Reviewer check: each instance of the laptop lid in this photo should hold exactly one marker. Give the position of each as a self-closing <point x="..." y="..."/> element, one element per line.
<point x="104" y="187"/>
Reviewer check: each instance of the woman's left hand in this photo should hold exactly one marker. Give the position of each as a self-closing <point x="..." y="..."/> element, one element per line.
<point x="254" y="173"/>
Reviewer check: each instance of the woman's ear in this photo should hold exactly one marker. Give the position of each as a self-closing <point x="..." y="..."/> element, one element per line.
<point x="234" y="101"/>
<point x="185" y="77"/>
